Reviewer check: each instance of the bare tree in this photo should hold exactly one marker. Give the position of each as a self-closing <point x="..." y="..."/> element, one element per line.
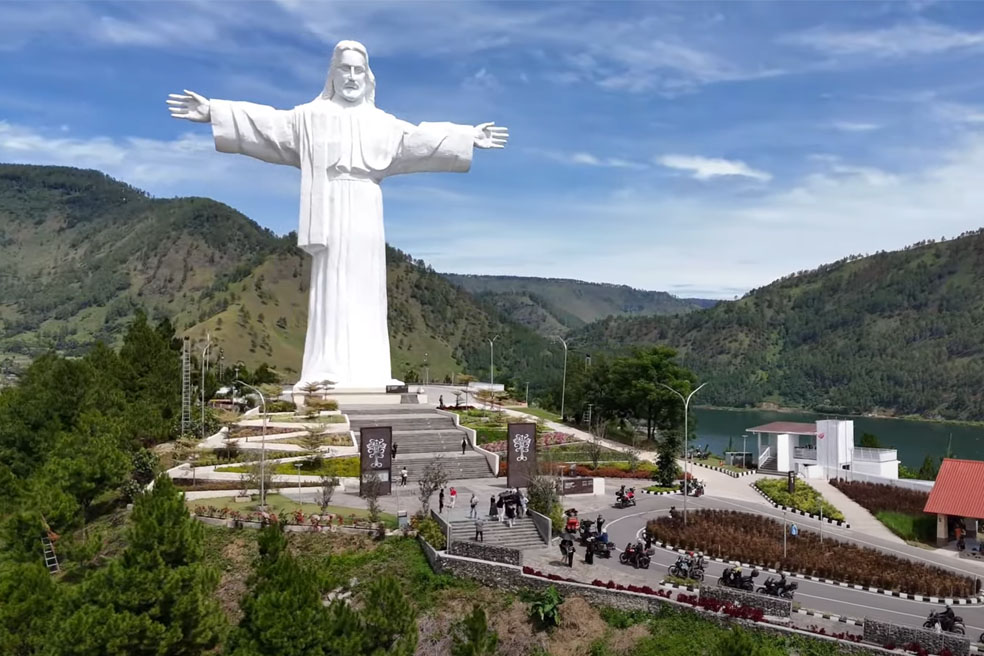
<point x="632" y="453"/>
<point x="328" y="484"/>
<point x="372" y="488"/>
<point x="594" y="449"/>
<point x="433" y="479"/>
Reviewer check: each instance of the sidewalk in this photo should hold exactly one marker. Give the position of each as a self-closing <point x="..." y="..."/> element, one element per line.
<point x="860" y="519"/>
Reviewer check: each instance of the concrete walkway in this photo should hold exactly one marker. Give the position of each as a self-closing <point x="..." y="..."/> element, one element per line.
<point x="859" y="518"/>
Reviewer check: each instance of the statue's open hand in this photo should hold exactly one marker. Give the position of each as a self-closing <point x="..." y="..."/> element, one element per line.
<point x="190" y="106"/>
<point x="487" y="135"/>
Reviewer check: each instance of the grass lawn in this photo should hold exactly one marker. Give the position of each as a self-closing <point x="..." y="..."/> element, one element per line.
<point x="328" y="466"/>
<point x="714" y="461"/>
<point x="908" y="526"/>
<point x="805" y="498"/>
<point x="660" y="488"/>
<point x="327" y="440"/>
<point x="280" y="504"/>
<point x="539" y="412"/>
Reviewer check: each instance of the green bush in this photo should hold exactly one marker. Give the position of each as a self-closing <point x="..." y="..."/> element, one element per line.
<point x="546" y="607"/>
<point x="320" y="404"/>
<point x="805" y="498"/>
<point x="431" y="531"/>
<point x="279" y="405"/>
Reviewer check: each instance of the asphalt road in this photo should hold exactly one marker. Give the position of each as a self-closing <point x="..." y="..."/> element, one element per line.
<point x="625" y="525"/>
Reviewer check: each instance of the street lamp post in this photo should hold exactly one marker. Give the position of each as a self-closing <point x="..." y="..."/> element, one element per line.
<point x="686" y="434"/>
<point x="563" y="385"/>
<point x="527" y="394"/>
<point x="492" y="364"/>
<point x="426" y="370"/>
<point x="262" y="445"/>
<point x="208" y="343"/>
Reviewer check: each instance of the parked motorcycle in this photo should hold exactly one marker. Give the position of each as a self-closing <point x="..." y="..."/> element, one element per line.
<point x="778" y="587"/>
<point x="733" y="578"/>
<point x="599" y="548"/>
<point x="947" y="620"/>
<point x="587" y="531"/>
<point x="625" y="499"/>
<point x="636" y="555"/>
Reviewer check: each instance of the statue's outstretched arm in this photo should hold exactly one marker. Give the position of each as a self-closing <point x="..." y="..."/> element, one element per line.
<point x="189" y="106"/>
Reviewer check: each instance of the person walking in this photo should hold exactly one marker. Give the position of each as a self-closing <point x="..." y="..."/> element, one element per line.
<point x="524" y="503"/>
<point x="473" y="507"/>
<point x="454" y="497"/>
<point x="395" y="447"/>
<point x="510" y="514"/>
<point x="464" y="443"/>
<point x="403" y="477"/>
<point x="479" y="529"/>
<point x="440" y="401"/>
<point x="500" y="509"/>
<point x="440" y="501"/>
<point x="492" y="511"/>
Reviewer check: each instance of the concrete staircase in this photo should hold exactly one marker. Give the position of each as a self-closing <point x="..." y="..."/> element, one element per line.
<point x="421" y="435"/>
<point x="522" y="534"/>
<point x="769" y="467"/>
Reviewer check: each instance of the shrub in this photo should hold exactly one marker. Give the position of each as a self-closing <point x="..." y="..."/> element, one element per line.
<point x="876" y="497"/>
<point x="546" y="607"/>
<point x="805" y="498"/>
<point x="321" y="404"/>
<point x="755" y="539"/>
<point x="431" y="531"/>
<point x="279" y="405"/>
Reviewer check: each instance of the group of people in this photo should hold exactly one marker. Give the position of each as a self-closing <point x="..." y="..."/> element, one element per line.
<point x="507" y="508"/>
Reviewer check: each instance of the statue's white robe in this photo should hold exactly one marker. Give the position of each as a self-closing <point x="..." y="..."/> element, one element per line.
<point x="343" y="154"/>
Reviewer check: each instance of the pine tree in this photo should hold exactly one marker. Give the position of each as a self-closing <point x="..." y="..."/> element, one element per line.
<point x="389" y="620"/>
<point x="155" y="600"/>
<point x="472" y="636"/>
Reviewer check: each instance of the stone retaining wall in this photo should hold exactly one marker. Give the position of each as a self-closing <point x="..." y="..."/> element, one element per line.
<point x="512" y="579"/>
<point x="490" y="552"/>
<point x="773" y="606"/>
<point x="883" y="633"/>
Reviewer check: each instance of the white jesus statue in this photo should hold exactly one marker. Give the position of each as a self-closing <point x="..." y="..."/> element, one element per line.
<point x="344" y="147"/>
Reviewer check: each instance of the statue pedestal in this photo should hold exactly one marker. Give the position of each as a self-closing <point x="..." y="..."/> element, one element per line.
<point x="348" y="396"/>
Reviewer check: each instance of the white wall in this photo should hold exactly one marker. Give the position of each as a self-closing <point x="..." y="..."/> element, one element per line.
<point x="889" y="469"/>
<point x="836" y="447"/>
<point x="784" y="452"/>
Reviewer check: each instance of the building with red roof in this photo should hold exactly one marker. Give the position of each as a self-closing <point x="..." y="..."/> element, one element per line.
<point x="957" y="497"/>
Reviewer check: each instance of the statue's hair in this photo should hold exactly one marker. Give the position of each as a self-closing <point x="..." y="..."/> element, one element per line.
<point x="341" y="47"/>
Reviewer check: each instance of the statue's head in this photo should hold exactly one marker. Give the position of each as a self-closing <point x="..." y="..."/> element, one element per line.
<point x="349" y="77"/>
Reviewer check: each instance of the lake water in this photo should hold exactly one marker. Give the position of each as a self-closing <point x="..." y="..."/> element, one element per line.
<point x="914" y="439"/>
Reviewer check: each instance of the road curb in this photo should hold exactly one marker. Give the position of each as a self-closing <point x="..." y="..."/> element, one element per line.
<point x="954" y="601"/>
<point x="829" y="616"/>
<point x="796" y="511"/>
<point x="723" y="470"/>
<point x="660" y="494"/>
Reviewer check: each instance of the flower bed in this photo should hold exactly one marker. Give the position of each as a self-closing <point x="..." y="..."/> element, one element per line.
<point x="295" y="518"/>
<point x="542" y="440"/>
<point x="236" y="432"/>
<point x="598" y="583"/>
<point x="805" y="498"/>
<point x="755" y="539"/>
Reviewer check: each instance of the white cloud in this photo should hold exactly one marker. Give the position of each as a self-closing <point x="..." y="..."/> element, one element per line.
<point x="705" y="168"/>
<point x="905" y="39"/>
<point x="852" y="126"/>
<point x="586" y="159"/>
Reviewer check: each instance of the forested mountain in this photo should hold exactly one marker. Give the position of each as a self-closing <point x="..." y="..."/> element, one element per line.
<point x="555" y="306"/>
<point x="80" y="252"/>
<point x="896" y="333"/>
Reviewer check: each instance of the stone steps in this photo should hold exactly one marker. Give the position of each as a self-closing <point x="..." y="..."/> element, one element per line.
<point x="472" y="465"/>
<point x="522" y="535"/>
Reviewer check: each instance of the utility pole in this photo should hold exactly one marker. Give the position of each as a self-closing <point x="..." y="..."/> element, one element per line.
<point x="784" y="534"/>
<point x="185" y="386"/>
<point x="527" y="394"/>
<point x="563" y="385"/>
<point x="262" y="446"/>
<point x="686" y="434"/>
<point x="492" y="364"/>
<point x="208" y="343"/>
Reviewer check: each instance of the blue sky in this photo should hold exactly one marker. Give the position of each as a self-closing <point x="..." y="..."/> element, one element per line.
<point x="700" y="148"/>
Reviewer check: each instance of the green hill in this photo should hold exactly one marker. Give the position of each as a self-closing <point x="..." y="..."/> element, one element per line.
<point x="79" y="252"/>
<point x="899" y="333"/>
<point x="555" y="306"/>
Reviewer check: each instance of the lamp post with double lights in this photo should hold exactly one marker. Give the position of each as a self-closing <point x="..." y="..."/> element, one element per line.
<point x="686" y="428"/>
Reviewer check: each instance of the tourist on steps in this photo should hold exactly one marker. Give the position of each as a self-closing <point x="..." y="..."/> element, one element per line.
<point x="454" y="497"/>
<point x="479" y="529"/>
<point x="403" y="477"/>
<point x="464" y="443"/>
<point x="473" y="507"/>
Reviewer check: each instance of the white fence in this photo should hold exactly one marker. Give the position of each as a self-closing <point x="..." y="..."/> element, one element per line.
<point x="875" y="455"/>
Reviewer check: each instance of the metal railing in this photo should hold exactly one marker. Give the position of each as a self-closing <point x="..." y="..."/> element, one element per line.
<point x="875" y="455"/>
<point x="764" y="455"/>
<point x="804" y="453"/>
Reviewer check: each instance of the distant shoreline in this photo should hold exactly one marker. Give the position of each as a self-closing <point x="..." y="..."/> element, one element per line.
<point x="848" y="415"/>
